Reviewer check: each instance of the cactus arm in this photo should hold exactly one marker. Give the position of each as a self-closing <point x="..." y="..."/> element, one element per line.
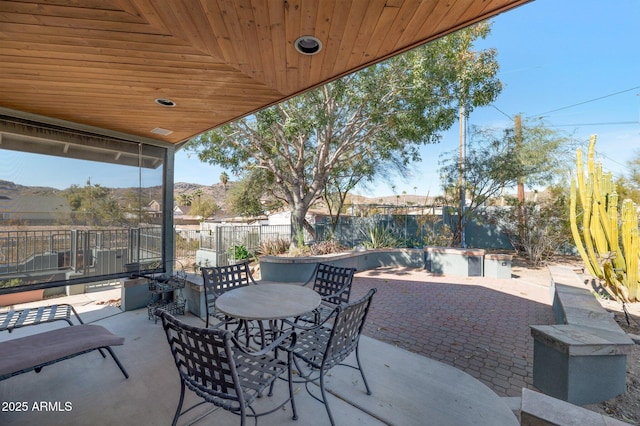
<point x="610" y="240"/>
<point x="599" y="188"/>
<point x="574" y="230"/>
<point x="631" y="246"/>
<point x="588" y="238"/>
<point x="619" y="261"/>
<point x="582" y="188"/>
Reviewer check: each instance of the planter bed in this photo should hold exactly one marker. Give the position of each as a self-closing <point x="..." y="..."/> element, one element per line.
<point x="438" y="260"/>
<point x="299" y="269"/>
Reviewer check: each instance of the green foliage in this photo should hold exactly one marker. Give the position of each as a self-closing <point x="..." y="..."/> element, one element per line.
<point x="13" y="282"/>
<point x="628" y="186"/>
<point x="224" y="179"/>
<point x="380" y="237"/>
<point x="94" y="205"/>
<point x="185" y="199"/>
<point x="543" y="229"/>
<point x="433" y="231"/>
<point x="245" y="197"/>
<point x="360" y="126"/>
<point x="494" y="162"/>
<point x="204" y="207"/>
<point x="239" y="252"/>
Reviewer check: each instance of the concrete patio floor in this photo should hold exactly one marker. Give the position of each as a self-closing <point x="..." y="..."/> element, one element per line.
<point x="419" y="327"/>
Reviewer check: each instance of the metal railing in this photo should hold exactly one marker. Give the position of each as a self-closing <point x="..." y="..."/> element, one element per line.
<point x="229" y="241"/>
<point x="76" y="252"/>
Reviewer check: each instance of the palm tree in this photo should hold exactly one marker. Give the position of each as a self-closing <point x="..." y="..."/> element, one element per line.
<point x="198" y="193"/>
<point x="224" y="179"/>
<point x="185" y="199"/>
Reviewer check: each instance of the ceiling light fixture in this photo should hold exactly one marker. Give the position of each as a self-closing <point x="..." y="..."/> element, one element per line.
<point x="308" y="45"/>
<point x="161" y="131"/>
<point x="165" y="102"/>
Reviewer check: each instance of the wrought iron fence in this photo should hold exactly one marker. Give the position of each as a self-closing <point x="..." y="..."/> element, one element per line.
<point x="235" y="242"/>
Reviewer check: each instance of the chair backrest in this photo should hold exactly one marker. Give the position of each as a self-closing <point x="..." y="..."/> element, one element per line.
<point x="204" y="359"/>
<point x="331" y="280"/>
<point x="220" y="279"/>
<point x="347" y="327"/>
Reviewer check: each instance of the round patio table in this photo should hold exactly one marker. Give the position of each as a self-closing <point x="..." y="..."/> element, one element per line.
<point x="268" y="302"/>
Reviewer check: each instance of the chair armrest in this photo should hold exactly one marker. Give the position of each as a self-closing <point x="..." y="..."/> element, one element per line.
<point x="298" y="326"/>
<point x="287" y="335"/>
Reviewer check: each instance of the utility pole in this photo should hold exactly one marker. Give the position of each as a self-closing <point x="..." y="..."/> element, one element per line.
<point x="461" y="178"/>
<point x="518" y="135"/>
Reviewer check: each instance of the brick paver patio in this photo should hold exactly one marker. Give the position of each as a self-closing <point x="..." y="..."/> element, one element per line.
<point x="479" y="325"/>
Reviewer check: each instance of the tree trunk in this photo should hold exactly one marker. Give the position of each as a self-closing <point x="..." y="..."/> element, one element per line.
<point x="299" y="223"/>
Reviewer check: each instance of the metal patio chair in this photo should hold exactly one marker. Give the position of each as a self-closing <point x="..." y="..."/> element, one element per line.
<point x="217" y="368"/>
<point x="322" y="347"/>
<point x="219" y="280"/>
<point x="333" y="284"/>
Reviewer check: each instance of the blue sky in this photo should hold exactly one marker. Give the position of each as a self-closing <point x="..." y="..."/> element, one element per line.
<point x="574" y="62"/>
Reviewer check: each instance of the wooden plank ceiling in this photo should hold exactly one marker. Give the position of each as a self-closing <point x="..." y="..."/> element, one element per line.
<point x="103" y="63"/>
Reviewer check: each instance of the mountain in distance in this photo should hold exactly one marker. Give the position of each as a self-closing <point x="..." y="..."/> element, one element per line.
<point x="216" y="191"/>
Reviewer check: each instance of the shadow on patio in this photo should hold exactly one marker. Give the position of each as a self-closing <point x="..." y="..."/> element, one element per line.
<point x="470" y="323"/>
<point x="477" y="324"/>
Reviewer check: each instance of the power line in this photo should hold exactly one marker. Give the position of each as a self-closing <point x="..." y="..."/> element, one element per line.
<point x="585" y="102"/>
<point x="595" y="124"/>
<point x="502" y="112"/>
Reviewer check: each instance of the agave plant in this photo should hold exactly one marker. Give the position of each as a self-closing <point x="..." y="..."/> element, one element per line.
<point x="379" y="237"/>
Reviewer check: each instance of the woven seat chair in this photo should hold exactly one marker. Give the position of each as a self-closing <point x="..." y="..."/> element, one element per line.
<point x="220" y="279"/>
<point x="333" y="284"/>
<point x="217" y="368"/>
<point x="322" y="347"/>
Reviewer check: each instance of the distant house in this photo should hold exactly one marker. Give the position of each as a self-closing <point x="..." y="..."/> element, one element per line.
<point x="33" y="209"/>
<point x="154" y="206"/>
<point x="284" y="217"/>
<point x="182" y="216"/>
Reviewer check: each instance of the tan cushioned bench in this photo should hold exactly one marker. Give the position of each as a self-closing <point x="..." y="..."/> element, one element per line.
<point x="38" y="350"/>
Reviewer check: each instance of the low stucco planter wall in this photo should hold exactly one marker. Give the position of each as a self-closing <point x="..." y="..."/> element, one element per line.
<point x="583" y="358"/>
<point x="438" y="260"/>
<point x="454" y="261"/>
<point x="299" y="269"/>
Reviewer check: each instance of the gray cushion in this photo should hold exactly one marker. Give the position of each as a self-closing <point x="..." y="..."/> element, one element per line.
<point x="31" y="351"/>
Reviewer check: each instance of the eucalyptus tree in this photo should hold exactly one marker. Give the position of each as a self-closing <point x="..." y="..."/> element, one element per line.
<point x="376" y="118"/>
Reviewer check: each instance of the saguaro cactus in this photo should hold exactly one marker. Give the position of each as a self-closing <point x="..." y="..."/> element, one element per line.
<point x="609" y="244"/>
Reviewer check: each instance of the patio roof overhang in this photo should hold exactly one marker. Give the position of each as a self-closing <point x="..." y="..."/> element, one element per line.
<point x="163" y="71"/>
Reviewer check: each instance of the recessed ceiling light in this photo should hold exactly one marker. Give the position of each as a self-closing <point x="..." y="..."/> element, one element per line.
<point x="165" y="102"/>
<point x="308" y="45"/>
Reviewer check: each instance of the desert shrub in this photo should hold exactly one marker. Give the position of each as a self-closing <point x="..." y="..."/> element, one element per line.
<point x="274" y="247"/>
<point x="326" y="247"/>
<point x="541" y="233"/>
